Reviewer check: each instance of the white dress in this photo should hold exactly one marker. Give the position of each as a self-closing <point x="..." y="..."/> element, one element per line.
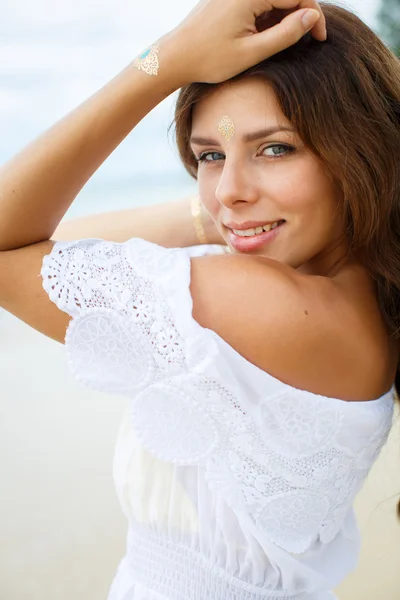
<point x="236" y="485"/>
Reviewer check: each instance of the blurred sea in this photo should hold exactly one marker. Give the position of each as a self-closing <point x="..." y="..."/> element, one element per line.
<point x="52" y="58"/>
<point x="113" y="195"/>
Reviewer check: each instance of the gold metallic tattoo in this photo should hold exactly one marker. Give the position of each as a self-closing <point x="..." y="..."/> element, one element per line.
<point x="226" y="128"/>
<point x="148" y="61"/>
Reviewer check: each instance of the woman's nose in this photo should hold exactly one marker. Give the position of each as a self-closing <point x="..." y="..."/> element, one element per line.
<point x="236" y="185"/>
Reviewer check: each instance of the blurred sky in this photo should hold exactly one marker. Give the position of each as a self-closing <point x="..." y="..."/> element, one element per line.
<point x="54" y="54"/>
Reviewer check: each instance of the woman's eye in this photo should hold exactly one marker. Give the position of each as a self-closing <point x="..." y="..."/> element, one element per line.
<point x="273" y="147"/>
<point x="277" y="151"/>
<point x="215" y="156"/>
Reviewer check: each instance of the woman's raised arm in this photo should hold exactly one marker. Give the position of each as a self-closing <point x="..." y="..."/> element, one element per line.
<point x="38" y="185"/>
<point x="169" y="224"/>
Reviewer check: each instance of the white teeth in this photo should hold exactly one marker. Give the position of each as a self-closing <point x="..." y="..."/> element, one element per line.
<point x="256" y="231"/>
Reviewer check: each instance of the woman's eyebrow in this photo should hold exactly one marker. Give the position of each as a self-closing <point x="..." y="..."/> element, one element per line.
<point x="247" y="137"/>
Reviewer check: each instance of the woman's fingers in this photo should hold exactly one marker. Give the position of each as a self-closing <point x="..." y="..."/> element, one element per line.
<point x="229" y="36"/>
<point x="319" y="29"/>
<point x="285" y="33"/>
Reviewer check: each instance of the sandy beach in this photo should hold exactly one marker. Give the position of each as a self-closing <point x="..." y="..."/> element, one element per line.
<point x="61" y="529"/>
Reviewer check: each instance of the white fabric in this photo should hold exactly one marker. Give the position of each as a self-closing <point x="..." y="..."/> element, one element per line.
<point x="236" y="486"/>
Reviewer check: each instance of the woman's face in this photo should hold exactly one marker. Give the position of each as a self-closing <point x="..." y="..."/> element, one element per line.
<point x="260" y="177"/>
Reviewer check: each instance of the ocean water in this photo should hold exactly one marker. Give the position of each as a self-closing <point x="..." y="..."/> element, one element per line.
<point x="52" y="60"/>
<point x="112" y="196"/>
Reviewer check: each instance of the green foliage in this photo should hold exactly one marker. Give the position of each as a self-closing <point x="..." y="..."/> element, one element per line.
<point x="389" y="24"/>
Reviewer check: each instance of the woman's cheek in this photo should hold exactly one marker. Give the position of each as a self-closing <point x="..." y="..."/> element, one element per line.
<point x="207" y="197"/>
<point x="212" y="208"/>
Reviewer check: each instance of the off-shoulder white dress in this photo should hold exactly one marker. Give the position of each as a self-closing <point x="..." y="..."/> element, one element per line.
<point x="236" y="486"/>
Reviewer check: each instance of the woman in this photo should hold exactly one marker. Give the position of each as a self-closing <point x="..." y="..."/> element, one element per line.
<point x="262" y="381"/>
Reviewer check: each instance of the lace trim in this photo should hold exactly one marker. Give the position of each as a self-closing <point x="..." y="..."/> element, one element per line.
<point x="123" y="334"/>
<point x="294" y="497"/>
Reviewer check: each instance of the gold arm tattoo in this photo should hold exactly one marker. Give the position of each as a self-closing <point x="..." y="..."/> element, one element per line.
<point x="148" y="61"/>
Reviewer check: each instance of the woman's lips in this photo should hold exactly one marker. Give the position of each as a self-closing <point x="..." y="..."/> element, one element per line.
<point x="253" y="242"/>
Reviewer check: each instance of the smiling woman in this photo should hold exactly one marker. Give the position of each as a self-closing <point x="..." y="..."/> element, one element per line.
<point x="261" y="383"/>
<point x="335" y="180"/>
<point x="242" y="177"/>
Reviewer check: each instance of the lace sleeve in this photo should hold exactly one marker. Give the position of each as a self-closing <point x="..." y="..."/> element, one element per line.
<point x="128" y="303"/>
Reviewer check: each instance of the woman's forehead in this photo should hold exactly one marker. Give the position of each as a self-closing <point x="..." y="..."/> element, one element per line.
<point x="249" y="103"/>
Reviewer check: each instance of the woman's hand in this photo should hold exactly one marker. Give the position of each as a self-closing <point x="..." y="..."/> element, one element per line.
<point x="221" y="38"/>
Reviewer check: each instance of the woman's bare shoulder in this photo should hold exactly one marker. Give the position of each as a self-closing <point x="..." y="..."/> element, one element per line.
<point x="301" y="329"/>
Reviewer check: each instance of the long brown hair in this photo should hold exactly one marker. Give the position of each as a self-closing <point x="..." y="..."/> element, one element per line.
<point x="343" y="98"/>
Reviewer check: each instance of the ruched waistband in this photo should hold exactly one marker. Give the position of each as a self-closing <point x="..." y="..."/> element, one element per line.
<point x="180" y="573"/>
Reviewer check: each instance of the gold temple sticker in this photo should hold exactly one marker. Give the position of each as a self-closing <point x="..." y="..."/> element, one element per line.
<point x="226" y="128"/>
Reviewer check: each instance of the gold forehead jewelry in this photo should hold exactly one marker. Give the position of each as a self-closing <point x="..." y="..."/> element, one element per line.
<point x="226" y="127"/>
<point x="148" y="61"/>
